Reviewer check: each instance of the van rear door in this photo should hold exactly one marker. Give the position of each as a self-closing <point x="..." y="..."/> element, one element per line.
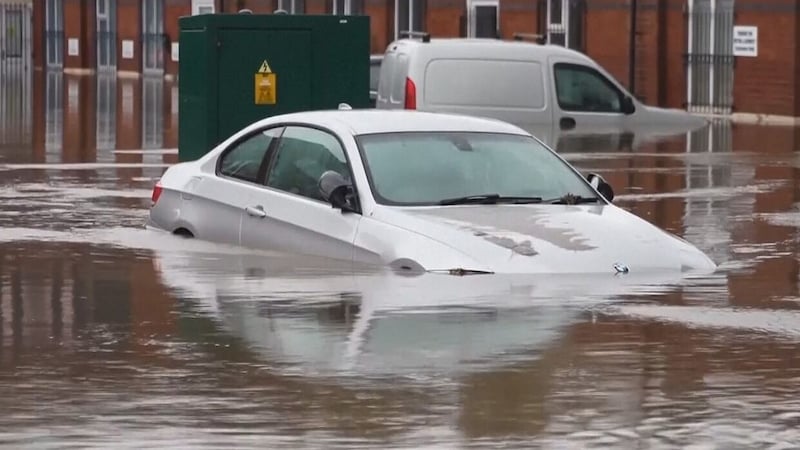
<point x="392" y="81"/>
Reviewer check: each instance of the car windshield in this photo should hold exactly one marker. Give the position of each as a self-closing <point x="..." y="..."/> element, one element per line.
<point x="425" y="168"/>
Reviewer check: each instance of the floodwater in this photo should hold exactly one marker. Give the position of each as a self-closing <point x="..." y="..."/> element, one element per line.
<point x="112" y="336"/>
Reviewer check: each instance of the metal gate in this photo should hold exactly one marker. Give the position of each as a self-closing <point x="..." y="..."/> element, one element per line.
<point x="15" y="73"/>
<point x="710" y="60"/>
<point x="54" y="33"/>
<point x="153" y="37"/>
<point x="561" y="21"/>
<point x="106" y="35"/>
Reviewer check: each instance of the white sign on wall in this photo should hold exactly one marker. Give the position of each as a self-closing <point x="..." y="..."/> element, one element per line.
<point x="202" y="7"/>
<point x="175" y="51"/>
<point x="73" y="47"/>
<point x="745" y="41"/>
<point x="127" y="49"/>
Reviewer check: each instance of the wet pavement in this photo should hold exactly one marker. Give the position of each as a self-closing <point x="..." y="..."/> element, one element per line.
<point x="113" y="336"/>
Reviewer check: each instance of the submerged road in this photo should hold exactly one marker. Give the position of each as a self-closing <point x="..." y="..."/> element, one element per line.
<point x="113" y="336"/>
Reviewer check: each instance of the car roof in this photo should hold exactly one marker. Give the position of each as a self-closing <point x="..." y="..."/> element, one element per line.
<point x="371" y="121"/>
<point x="496" y="47"/>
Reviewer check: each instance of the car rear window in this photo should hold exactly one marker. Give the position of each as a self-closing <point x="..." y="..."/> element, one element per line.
<point x="484" y="83"/>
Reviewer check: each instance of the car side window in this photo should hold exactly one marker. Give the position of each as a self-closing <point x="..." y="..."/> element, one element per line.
<point x="581" y="88"/>
<point x="303" y="155"/>
<point x="244" y="160"/>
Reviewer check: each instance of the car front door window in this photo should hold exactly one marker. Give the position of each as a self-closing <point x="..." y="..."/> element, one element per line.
<point x="303" y="155"/>
<point x="245" y="159"/>
<point x="583" y="89"/>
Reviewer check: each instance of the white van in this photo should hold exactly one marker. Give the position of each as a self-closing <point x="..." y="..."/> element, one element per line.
<point x="531" y="85"/>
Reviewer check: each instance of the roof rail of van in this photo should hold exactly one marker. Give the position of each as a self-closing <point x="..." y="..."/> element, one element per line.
<point x="538" y="38"/>
<point x="426" y="37"/>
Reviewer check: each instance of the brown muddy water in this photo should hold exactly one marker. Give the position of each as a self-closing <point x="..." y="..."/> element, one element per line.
<point x="111" y="336"/>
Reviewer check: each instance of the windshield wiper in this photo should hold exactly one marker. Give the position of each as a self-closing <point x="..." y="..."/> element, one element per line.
<point x="570" y="199"/>
<point x="488" y="199"/>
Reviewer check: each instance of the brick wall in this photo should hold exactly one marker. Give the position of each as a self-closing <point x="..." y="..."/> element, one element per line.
<point x="519" y="16"/>
<point x="607" y="36"/>
<point x="672" y="72"/>
<point x="37" y="34"/>
<point x="768" y="83"/>
<point x="129" y="27"/>
<point x="80" y="24"/>
<point x="446" y="18"/>
<point x="174" y="10"/>
<point x="381" y="14"/>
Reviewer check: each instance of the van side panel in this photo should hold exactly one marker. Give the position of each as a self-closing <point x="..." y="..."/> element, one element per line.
<point x="484" y="84"/>
<point x="505" y="89"/>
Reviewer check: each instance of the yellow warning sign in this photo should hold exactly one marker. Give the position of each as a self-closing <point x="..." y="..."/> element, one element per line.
<point x="265" y="89"/>
<point x="265" y="67"/>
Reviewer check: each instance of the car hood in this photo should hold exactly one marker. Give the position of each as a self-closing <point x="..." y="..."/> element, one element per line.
<point x="550" y="238"/>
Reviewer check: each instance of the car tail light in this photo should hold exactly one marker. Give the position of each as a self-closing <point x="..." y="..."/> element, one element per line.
<point x="411" y="94"/>
<point x="156" y="193"/>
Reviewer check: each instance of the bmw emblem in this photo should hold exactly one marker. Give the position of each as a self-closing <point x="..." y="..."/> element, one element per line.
<point x="621" y="268"/>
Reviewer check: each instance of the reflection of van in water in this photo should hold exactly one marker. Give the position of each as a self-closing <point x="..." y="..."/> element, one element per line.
<point x="519" y="82"/>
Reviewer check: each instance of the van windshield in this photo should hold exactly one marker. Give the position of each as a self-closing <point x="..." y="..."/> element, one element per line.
<point x="425" y="168"/>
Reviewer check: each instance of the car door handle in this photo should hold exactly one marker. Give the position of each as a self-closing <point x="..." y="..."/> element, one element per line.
<point x="567" y="123"/>
<point x="256" y="211"/>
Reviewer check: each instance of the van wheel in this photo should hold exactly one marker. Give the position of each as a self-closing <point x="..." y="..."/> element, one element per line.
<point x="183" y="232"/>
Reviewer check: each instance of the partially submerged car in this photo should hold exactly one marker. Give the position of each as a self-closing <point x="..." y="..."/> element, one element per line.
<point x="416" y="191"/>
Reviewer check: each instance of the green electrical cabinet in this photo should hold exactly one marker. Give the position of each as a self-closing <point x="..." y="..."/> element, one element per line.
<point x="235" y="69"/>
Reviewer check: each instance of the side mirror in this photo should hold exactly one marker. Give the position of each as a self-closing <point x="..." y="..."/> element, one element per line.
<point x="601" y="186"/>
<point x="336" y="190"/>
<point x="628" y="107"/>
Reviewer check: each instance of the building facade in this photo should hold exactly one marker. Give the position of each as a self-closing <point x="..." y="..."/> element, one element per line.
<point x="713" y="56"/>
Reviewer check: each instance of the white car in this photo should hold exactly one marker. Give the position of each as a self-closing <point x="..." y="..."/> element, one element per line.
<point x="415" y="191"/>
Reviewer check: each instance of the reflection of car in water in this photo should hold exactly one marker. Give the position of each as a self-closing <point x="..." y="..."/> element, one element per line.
<point x="412" y="190"/>
<point x="308" y="312"/>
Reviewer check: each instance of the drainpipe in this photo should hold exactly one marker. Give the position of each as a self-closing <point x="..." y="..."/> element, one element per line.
<point x="632" y="50"/>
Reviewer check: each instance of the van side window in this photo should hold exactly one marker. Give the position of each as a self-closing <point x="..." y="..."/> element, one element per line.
<point x="583" y="89"/>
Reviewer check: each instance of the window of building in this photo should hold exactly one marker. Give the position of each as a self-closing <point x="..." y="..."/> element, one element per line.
<point x="346" y="7"/>
<point x="483" y="16"/>
<point x="581" y="88"/>
<point x="14" y="31"/>
<point x="153" y="35"/>
<point x="202" y="7"/>
<point x="409" y="15"/>
<point x="106" y="35"/>
<point x="54" y="32"/>
<point x="303" y="156"/>
<point x="292" y="6"/>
